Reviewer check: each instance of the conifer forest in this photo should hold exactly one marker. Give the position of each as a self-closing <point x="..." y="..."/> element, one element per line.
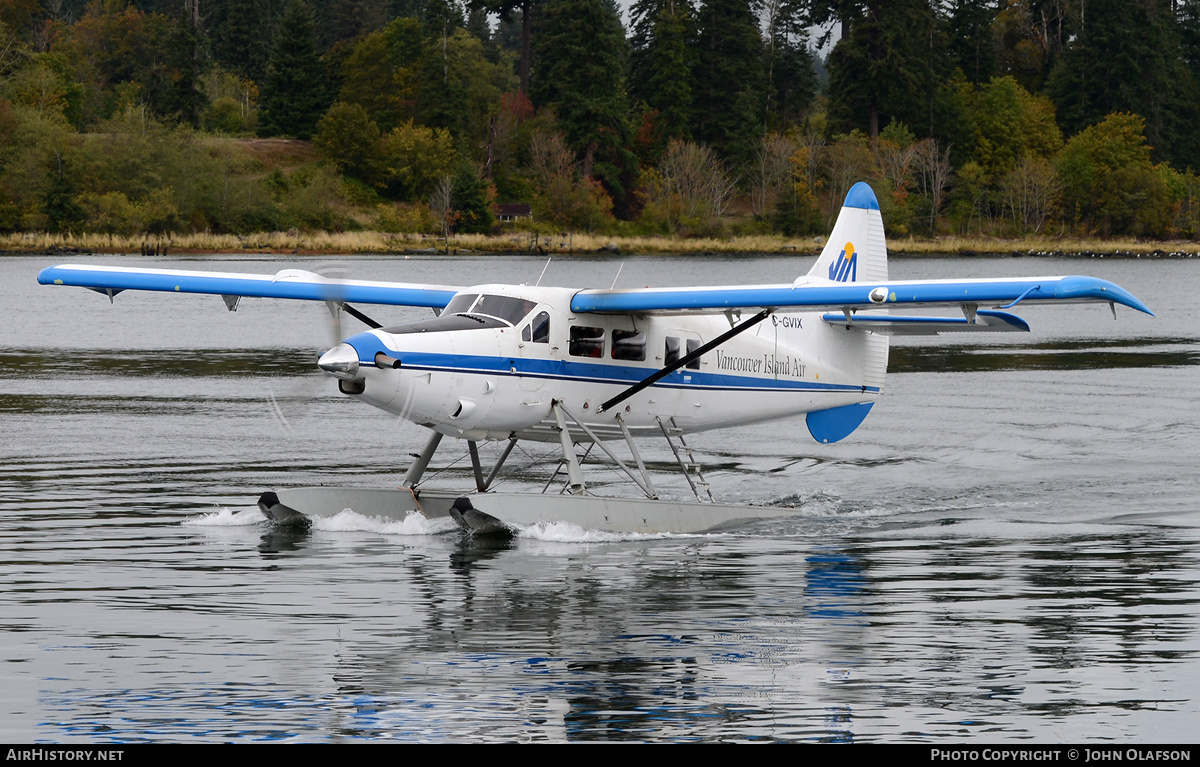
<point x="691" y="118"/>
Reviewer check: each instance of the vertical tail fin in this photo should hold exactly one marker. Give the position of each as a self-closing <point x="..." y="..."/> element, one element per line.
<point x="856" y="250"/>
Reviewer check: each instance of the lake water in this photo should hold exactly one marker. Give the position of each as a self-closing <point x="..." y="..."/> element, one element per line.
<point x="1006" y="550"/>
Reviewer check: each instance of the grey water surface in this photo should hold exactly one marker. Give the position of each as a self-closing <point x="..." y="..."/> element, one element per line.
<point x="1006" y="550"/>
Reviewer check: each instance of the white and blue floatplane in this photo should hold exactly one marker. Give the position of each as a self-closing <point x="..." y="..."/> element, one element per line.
<point x="588" y="367"/>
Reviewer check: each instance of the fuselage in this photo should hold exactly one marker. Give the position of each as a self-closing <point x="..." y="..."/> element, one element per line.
<point x="496" y="359"/>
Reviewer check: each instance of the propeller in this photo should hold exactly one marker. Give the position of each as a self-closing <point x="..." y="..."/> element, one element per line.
<point x="328" y="275"/>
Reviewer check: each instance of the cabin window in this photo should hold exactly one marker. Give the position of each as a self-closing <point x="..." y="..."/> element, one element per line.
<point x="672" y="354"/>
<point x="537" y="331"/>
<point x="586" y="341"/>
<point x="629" y="345"/>
<point x="692" y="345"/>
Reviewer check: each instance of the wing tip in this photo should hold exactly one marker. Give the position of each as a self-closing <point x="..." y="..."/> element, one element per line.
<point x="1093" y="287"/>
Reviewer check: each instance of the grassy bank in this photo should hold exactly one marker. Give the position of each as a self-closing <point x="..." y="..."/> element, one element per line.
<point x="518" y="242"/>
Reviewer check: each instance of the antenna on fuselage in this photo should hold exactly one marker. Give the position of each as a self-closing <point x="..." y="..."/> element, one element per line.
<point x="543" y="274"/>
<point x="619" y="268"/>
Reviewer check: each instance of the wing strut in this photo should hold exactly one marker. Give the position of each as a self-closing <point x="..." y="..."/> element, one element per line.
<point x="356" y="314"/>
<point x="669" y="369"/>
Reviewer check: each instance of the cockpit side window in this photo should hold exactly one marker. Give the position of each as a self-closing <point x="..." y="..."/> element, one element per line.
<point x="538" y="330"/>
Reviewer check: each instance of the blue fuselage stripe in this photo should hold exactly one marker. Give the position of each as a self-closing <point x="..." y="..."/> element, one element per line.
<point x="585" y="372"/>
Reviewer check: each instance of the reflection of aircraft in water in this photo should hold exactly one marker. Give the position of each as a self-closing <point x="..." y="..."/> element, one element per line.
<point x="587" y="367"/>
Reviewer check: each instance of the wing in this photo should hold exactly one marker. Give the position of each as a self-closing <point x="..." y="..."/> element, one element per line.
<point x="823" y="295"/>
<point x="289" y="283"/>
<point x="851" y="274"/>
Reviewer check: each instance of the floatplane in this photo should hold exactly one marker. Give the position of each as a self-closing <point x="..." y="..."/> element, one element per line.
<point x="595" y="368"/>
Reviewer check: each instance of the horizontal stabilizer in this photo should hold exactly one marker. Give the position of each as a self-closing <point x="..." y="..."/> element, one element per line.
<point x="903" y="325"/>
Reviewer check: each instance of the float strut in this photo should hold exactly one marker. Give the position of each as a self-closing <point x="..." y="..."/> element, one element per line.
<point x="596" y="441"/>
<point x="573" y="471"/>
<point x="473" y="449"/>
<point x="415" y="472"/>
<point x="512" y="442"/>
<point x="637" y="457"/>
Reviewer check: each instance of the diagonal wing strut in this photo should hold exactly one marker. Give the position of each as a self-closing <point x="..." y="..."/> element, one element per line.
<point x="356" y="314"/>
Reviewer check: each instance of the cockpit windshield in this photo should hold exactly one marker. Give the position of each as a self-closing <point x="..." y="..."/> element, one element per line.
<point x="511" y="310"/>
<point x="460" y="304"/>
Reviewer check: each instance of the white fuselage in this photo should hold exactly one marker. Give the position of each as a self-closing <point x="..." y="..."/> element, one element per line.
<point x="499" y="378"/>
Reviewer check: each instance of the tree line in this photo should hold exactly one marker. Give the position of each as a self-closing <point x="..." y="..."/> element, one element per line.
<point x="993" y="117"/>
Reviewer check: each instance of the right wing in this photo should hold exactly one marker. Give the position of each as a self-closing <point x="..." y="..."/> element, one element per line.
<point x="289" y="283"/>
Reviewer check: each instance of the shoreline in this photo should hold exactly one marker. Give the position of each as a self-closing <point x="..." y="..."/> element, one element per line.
<point x="521" y="243"/>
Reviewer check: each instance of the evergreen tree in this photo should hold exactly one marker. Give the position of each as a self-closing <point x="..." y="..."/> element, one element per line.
<point x="1187" y="17"/>
<point x="887" y="67"/>
<point x="660" y="63"/>
<point x="293" y="94"/>
<point x="469" y="200"/>
<point x="728" y="79"/>
<point x="180" y="96"/>
<point x="477" y="24"/>
<point x="506" y="9"/>
<point x="62" y="211"/>
<point x="347" y="19"/>
<point x="241" y="38"/>
<point x="972" y="41"/>
<point x="790" y="74"/>
<point x="580" y="76"/>
<point x="1126" y="57"/>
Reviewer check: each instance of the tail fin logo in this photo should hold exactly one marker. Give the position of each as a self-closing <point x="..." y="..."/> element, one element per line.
<point x="845" y="267"/>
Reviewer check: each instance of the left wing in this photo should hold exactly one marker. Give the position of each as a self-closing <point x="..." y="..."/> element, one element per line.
<point x="821" y="295"/>
<point x="289" y="283"/>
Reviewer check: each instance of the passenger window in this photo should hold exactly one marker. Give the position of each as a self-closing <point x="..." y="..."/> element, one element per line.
<point x="672" y="354"/>
<point x="693" y="345"/>
<point x="586" y="342"/>
<point x="629" y="345"/>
